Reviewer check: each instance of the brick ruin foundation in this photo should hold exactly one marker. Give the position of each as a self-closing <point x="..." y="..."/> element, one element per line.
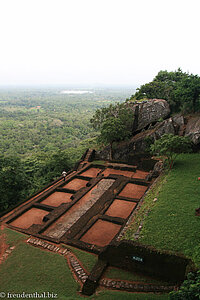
<point x="87" y="210"/>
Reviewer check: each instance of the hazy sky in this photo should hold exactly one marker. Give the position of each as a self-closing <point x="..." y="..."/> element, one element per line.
<point x="91" y="42"/>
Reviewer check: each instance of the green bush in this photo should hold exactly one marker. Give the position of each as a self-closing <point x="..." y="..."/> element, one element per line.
<point x="170" y="146"/>
<point x="189" y="290"/>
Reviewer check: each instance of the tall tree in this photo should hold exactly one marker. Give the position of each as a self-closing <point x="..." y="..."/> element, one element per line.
<point x="119" y="110"/>
<point x="115" y="123"/>
<point x="113" y="130"/>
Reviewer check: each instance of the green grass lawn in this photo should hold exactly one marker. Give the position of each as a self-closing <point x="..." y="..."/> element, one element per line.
<point x="172" y="224"/>
<point x="32" y="270"/>
<point x="117" y="295"/>
<point x="116" y="273"/>
<point x="87" y="259"/>
<point x="14" y="237"/>
<point x="29" y="269"/>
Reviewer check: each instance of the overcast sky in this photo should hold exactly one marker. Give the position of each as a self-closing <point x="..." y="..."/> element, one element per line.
<point x="95" y="42"/>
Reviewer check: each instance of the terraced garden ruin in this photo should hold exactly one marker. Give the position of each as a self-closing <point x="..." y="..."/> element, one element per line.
<point x="87" y="210"/>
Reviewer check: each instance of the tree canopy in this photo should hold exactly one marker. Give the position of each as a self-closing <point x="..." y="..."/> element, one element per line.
<point x="118" y="110"/>
<point x="114" y="122"/>
<point x="21" y="178"/>
<point x="180" y="89"/>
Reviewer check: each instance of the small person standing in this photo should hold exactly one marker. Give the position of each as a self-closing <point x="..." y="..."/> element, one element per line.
<point x="64" y="174"/>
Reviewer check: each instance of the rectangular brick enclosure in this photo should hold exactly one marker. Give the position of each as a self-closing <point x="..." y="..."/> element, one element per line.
<point x="132" y="190"/>
<point x="101" y="233"/>
<point x="30" y="217"/>
<point x="120" y="208"/>
<point x="57" y="198"/>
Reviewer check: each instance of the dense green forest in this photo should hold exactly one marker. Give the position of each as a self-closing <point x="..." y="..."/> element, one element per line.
<point x="37" y="120"/>
<point x="42" y="132"/>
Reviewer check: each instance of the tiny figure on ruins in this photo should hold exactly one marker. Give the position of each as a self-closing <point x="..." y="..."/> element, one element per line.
<point x="64" y="174"/>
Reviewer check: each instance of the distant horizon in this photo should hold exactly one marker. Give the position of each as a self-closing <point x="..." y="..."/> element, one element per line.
<point x="89" y="85"/>
<point x="68" y="86"/>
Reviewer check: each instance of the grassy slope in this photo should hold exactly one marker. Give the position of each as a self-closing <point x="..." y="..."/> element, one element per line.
<point x="87" y="259"/>
<point x="36" y="270"/>
<point x="172" y="224"/>
<point x="147" y="205"/>
<point x="29" y="269"/>
<point x="13" y="237"/>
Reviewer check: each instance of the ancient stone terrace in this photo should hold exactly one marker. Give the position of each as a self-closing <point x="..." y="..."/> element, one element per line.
<point x="88" y="210"/>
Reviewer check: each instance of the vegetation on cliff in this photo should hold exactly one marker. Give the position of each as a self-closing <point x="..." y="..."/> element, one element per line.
<point x="180" y="89"/>
<point x="115" y="123"/>
<point x="170" y="146"/>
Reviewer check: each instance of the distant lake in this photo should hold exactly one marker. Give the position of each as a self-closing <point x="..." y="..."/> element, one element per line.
<point x="76" y="92"/>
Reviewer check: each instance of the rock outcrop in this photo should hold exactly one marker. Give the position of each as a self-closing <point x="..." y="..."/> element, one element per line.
<point x="150" y="112"/>
<point x="149" y="126"/>
<point x="140" y="141"/>
<point x="193" y="129"/>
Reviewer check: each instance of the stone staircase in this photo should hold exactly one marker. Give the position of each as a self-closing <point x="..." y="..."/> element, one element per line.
<point x="86" y="159"/>
<point x="88" y="155"/>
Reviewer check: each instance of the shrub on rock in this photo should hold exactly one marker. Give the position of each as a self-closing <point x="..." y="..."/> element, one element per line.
<point x="170" y="146"/>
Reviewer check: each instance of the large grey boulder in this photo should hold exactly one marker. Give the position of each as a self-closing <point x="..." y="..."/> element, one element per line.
<point x="193" y="129"/>
<point x="164" y="127"/>
<point x="178" y="120"/>
<point x="179" y="124"/>
<point x="151" y="111"/>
